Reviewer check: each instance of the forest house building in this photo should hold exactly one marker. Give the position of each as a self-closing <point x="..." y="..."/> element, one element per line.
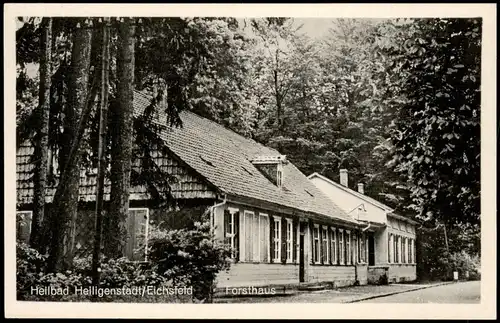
<point x="283" y="228"/>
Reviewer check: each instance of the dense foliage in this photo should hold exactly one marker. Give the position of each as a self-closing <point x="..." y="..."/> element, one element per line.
<point x="396" y="102"/>
<point x="189" y="257"/>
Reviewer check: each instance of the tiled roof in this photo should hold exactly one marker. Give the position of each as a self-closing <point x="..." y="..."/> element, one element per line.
<point x="353" y="192"/>
<point x="223" y="158"/>
<point x="188" y="184"/>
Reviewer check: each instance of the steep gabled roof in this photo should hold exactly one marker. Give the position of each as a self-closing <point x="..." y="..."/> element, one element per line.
<point x="224" y="157"/>
<point x="207" y="155"/>
<point x="388" y="209"/>
<point x="353" y="192"/>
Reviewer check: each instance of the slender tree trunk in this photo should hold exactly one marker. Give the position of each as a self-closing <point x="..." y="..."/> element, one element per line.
<point x="121" y="148"/>
<point x="41" y="146"/>
<point x="103" y="120"/>
<point x="66" y="197"/>
<point x="277" y="94"/>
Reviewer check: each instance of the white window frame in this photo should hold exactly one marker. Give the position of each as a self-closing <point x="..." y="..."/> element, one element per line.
<point x="333" y="242"/>
<point x="279" y="175"/>
<point x="355" y="243"/>
<point x="414" y="250"/>
<point x="232" y="235"/>
<point x="296" y="260"/>
<point x="348" y="247"/>
<point x="407" y="250"/>
<point x="400" y="258"/>
<point x="367" y="252"/>
<point x="289" y="240"/>
<point x="277" y="240"/>
<point x="390" y="247"/>
<point x="341" y="247"/>
<point x="362" y="248"/>
<point x="317" y="251"/>
<point x="147" y="228"/>
<point x="325" y="238"/>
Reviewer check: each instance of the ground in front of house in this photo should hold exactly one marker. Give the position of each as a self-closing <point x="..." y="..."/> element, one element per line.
<point x="457" y="293"/>
<point x="450" y="292"/>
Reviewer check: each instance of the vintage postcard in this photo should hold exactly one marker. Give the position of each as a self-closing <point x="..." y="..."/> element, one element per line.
<point x="250" y="161"/>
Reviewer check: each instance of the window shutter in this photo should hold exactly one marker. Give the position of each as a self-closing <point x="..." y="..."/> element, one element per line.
<point x="227" y="222"/>
<point x="141" y="219"/>
<point x="311" y="231"/>
<point x="237" y="235"/>
<point x="129" y="245"/>
<point x="344" y="247"/>
<point x="271" y="239"/>
<point x="295" y="239"/>
<point x="329" y="245"/>
<point x="322" y="248"/>
<point x="284" y="227"/>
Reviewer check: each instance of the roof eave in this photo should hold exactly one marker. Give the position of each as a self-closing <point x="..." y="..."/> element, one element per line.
<point x="253" y="202"/>
<point x="352" y="192"/>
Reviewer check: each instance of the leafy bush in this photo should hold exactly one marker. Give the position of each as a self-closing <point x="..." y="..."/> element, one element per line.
<point x="189" y="257"/>
<point x="30" y="265"/>
<point x="463" y="262"/>
<point x="114" y="273"/>
<point x="180" y="258"/>
<point x="460" y="262"/>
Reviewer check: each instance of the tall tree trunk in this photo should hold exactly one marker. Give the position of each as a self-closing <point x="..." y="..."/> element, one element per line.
<point x="121" y="148"/>
<point x="41" y="146"/>
<point x="103" y="120"/>
<point x="66" y="197"/>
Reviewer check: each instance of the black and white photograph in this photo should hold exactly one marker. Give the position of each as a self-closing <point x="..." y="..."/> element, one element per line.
<point x="166" y="158"/>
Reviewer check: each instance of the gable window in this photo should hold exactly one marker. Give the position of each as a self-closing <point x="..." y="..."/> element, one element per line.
<point x="316" y="244"/>
<point x="256" y="237"/>
<point x="277" y="239"/>
<point x="341" y="247"/>
<point x="137" y="234"/>
<point x="279" y="177"/>
<point x="271" y="167"/>
<point x="324" y="245"/>
<point x="289" y="240"/>
<point x="333" y="246"/>
<point x="348" y="246"/>
<point x="23" y="225"/>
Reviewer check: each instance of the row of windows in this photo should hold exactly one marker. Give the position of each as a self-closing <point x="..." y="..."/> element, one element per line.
<point x="401" y="249"/>
<point x="401" y="225"/>
<point x="275" y="239"/>
<point x="264" y="240"/>
<point x="338" y="246"/>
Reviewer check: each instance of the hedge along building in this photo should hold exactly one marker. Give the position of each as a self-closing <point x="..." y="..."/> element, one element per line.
<point x="282" y="228"/>
<point x="391" y="237"/>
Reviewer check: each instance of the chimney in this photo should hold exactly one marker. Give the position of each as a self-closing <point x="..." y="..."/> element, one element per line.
<point x="361" y="188"/>
<point x="343" y="177"/>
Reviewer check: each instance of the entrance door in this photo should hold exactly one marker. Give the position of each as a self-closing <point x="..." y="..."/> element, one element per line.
<point x="301" y="252"/>
<point x="371" y="250"/>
